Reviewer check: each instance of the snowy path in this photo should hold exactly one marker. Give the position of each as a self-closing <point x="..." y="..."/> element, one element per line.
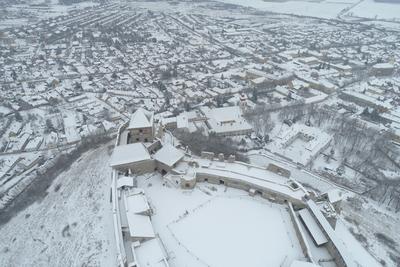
<point x="71" y="226"/>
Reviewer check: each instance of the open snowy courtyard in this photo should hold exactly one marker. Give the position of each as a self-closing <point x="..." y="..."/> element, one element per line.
<point x="234" y="224"/>
<point x="215" y="226"/>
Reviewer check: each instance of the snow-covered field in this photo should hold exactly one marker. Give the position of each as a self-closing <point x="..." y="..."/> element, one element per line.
<point x="50" y="11"/>
<point x="368" y="220"/>
<point x="372" y="9"/>
<point x="217" y="226"/>
<point x="325" y="9"/>
<point x="71" y="226"/>
<point x="236" y="224"/>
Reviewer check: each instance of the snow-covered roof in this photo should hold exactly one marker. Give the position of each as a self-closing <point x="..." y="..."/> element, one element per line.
<point x="334" y="195"/>
<point x="299" y="142"/>
<point x="168" y="155"/>
<point x="256" y="72"/>
<point x="124" y="181"/>
<point x="367" y="99"/>
<point x="226" y="120"/>
<point x="140" y="225"/>
<point x="137" y="204"/>
<point x="308" y="60"/>
<point x="141" y="119"/>
<point x="258" y="80"/>
<point x="131" y="153"/>
<point x="313" y="227"/>
<point x="303" y="264"/>
<point x="337" y="242"/>
<point x="383" y="66"/>
<point x="182" y="121"/>
<point x="108" y="125"/>
<point x="150" y="253"/>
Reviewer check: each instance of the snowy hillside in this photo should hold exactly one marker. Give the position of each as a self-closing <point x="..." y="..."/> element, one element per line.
<point x="71" y="226"/>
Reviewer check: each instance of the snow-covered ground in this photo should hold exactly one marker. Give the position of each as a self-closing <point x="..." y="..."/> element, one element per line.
<point x="367" y="219"/>
<point x="217" y="226"/>
<point x="360" y="253"/>
<point x="71" y="225"/>
<point x="363" y="220"/>
<point x="52" y="10"/>
<point x="325" y="9"/>
<point x="377" y="10"/>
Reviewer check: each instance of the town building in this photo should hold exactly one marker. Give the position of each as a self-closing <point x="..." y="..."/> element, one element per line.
<point x="364" y="100"/>
<point x="308" y="142"/>
<point x="382" y="69"/>
<point x="226" y="121"/>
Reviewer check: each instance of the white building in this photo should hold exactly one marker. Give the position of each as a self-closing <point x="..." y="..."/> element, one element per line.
<point x="226" y="121"/>
<point x="383" y="69"/>
<point x="300" y="143"/>
<point x="167" y="157"/>
<point x="132" y="156"/>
